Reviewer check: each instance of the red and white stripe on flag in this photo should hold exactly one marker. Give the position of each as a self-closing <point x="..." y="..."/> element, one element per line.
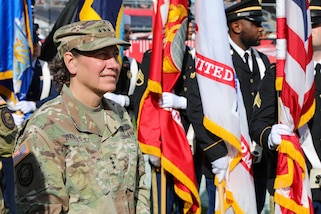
<point x="227" y="118"/>
<point x="295" y="81"/>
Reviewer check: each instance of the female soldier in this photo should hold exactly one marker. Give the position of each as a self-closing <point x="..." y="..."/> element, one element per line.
<point x="78" y="152"/>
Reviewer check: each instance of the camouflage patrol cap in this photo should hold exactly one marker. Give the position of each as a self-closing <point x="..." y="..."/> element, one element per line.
<point x="86" y="36"/>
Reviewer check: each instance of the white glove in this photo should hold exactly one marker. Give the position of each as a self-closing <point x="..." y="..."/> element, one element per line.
<point x="155" y="160"/>
<point x="10" y="104"/>
<point x="170" y="100"/>
<point x="26" y="106"/>
<point x="219" y="167"/>
<point x="18" y="119"/>
<point x="122" y="100"/>
<point x="277" y="130"/>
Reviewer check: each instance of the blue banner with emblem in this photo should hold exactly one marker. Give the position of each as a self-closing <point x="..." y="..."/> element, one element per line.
<point x="6" y="48"/>
<point x="15" y="48"/>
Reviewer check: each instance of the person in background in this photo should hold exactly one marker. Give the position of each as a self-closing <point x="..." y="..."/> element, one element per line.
<point x="8" y="132"/>
<point x="78" y="152"/>
<point x="36" y="29"/>
<point x="264" y="124"/>
<point x="41" y="88"/>
<point x="245" y="33"/>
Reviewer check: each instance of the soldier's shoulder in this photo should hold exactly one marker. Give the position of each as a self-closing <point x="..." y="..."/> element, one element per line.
<point x="49" y="111"/>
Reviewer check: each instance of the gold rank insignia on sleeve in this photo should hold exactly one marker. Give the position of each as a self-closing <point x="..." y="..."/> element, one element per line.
<point x="257" y="100"/>
<point x="140" y="78"/>
<point x="193" y="75"/>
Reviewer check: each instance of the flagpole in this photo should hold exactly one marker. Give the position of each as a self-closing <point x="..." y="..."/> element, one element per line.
<point x="221" y="198"/>
<point x="154" y="191"/>
<point x="163" y="187"/>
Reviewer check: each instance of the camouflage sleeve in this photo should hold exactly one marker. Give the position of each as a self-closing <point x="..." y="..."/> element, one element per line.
<point x="39" y="172"/>
<point x="143" y="197"/>
<point x="8" y="130"/>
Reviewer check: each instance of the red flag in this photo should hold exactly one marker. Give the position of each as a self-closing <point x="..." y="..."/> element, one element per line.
<point x="160" y="131"/>
<point x="295" y="80"/>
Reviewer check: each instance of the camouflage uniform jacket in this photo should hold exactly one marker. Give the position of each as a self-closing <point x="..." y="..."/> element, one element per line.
<point x="8" y="132"/>
<point x="65" y="164"/>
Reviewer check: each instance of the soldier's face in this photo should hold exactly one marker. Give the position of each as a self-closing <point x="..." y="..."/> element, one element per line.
<point x="36" y="49"/>
<point x="251" y="33"/>
<point x="98" y="70"/>
<point x="316" y="36"/>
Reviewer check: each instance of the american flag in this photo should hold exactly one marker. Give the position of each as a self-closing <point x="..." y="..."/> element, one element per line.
<point x="20" y="153"/>
<point x="295" y="81"/>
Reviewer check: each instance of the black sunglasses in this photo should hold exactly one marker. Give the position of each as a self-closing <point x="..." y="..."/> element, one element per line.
<point x="254" y="22"/>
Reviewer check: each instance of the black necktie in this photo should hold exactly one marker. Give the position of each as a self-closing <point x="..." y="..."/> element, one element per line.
<point x="318" y="67"/>
<point x="255" y="66"/>
<point x="246" y="56"/>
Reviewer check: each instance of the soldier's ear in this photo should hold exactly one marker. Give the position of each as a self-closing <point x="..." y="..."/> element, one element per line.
<point x="236" y="26"/>
<point x="70" y="62"/>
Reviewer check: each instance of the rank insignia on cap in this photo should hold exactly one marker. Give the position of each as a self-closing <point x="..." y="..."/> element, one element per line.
<point x="20" y="153"/>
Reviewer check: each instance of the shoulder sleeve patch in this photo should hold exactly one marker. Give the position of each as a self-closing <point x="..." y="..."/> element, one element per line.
<point x="6" y="120"/>
<point x="20" y="153"/>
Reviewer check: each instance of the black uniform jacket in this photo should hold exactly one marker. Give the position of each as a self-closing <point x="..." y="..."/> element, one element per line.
<point x="249" y="81"/>
<point x="249" y="84"/>
<point x="315" y="128"/>
<point x="264" y="115"/>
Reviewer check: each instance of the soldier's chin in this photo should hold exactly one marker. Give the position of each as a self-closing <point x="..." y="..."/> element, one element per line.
<point x="111" y="89"/>
<point x="258" y="43"/>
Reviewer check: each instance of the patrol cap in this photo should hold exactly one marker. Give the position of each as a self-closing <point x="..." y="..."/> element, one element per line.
<point x="247" y="9"/>
<point x="89" y="35"/>
<point x="315" y="11"/>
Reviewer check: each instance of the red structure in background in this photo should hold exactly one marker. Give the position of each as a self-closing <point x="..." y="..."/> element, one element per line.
<point x="138" y="48"/>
